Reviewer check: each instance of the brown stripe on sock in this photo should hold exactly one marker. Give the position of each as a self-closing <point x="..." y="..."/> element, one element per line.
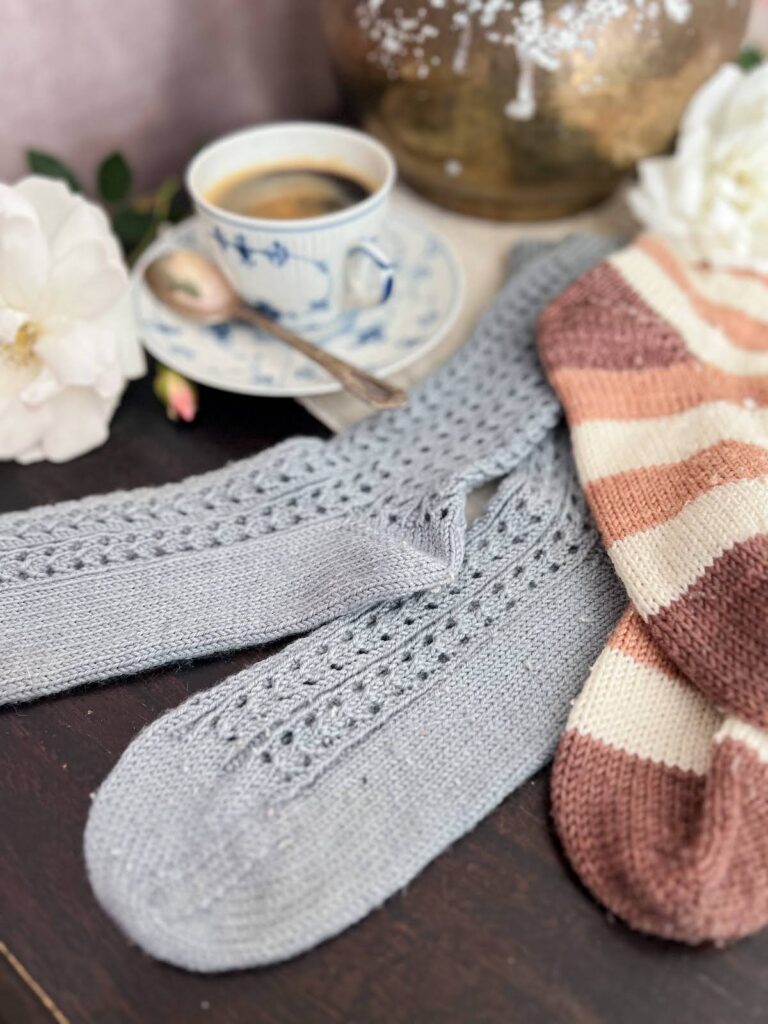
<point x="601" y="322"/>
<point x="594" y="394"/>
<point x="671" y="852"/>
<point x="639" y="499"/>
<point x="717" y="632"/>
<point x="741" y="329"/>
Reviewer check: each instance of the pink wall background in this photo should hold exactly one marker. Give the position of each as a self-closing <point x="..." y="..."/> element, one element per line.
<point x="758" y="28"/>
<point x="155" y="78"/>
<point x="158" y="78"/>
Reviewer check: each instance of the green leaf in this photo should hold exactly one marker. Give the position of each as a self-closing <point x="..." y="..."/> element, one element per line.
<point x="181" y="207"/>
<point x="163" y="199"/>
<point x="114" y="178"/>
<point x="131" y="226"/>
<point x="749" y="58"/>
<point x="51" y="167"/>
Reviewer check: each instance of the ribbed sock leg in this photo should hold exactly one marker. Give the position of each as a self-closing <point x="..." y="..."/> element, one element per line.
<point x="663" y="371"/>
<point x="282" y="806"/>
<point x="660" y="800"/>
<point x="284" y="542"/>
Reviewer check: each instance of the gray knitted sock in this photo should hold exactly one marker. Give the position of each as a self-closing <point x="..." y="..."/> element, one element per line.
<point x="283" y="805"/>
<point x="280" y="543"/>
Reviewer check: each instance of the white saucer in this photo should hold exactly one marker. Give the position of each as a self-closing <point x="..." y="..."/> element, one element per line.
<point x="234" y="357"/>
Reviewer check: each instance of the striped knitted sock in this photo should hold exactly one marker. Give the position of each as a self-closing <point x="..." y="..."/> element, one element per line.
<point x="663" y="370"/>
<point x="659" y="799"/>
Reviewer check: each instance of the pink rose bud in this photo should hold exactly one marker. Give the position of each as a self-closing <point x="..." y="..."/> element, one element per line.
<point x="178" y="395"/>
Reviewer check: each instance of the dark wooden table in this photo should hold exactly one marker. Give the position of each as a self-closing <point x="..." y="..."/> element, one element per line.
<point x="496" y="931"/>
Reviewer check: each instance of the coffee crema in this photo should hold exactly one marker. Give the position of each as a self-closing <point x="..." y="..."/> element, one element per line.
<point x="296" y="192"/>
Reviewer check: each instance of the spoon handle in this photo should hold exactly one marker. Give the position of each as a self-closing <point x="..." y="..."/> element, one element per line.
<point x="370" y="389"/>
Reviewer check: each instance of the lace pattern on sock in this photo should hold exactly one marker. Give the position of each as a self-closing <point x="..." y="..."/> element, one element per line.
<point x="290" y="718"/>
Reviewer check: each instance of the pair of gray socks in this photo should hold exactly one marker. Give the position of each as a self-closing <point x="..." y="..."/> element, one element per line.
<point x="281" y="806"/>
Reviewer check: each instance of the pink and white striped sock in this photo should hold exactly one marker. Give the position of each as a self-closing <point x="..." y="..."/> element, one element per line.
<point x="660" y="779"/>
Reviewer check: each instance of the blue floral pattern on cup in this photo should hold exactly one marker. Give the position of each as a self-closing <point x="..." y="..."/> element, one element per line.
<point x="277" y="255"/>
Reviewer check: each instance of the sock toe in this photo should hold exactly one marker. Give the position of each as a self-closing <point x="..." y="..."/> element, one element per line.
<point x="660" y="801"/>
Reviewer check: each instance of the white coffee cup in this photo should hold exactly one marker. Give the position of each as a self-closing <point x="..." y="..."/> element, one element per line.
<point x="307" y="270"/>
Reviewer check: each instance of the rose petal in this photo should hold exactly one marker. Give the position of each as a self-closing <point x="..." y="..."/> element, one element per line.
<point x="13" y="379"/>
<point x="21" y="428"/>
<point x="747" y="106"/>
<point x="24" y="256"/>
<point x="86" y="281"/>
<point x="79" y="423"/>
<point x="690" y="185"/>
<point x="41" y="389"/>
<point x="84" y="223"/>
<point x="87" y="271"/>
<point x="10" y="322"/>
<point x="655" y="201"/>
<point x="33" y="454"/>
<point x="110" y="383"/>
<point x="122" y="321"/>
<point x="53" y="202"/>
<point x="708" y="100"/>
<point x="76" y="353"/>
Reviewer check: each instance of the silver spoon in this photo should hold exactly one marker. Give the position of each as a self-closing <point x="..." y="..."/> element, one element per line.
<point x="195" y="288"/>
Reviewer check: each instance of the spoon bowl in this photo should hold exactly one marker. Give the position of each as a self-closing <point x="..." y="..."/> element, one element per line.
<point x="192" y="286"/>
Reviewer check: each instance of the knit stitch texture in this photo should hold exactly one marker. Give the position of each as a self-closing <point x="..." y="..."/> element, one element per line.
<point x="660" y="798"/>
<point x="283" y="805"/>
<point x="663" y="371"/>
<point x="285" y="541"/>
<point x="660" y="780"/>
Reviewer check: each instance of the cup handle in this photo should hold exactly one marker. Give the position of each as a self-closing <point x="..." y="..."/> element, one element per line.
<point x="370" y="275"/>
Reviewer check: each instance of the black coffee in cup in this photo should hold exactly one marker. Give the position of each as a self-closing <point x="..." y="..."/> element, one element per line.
<point x="289" y="193"/>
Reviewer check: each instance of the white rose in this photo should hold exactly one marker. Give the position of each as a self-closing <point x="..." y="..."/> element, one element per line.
<point x="710" y="198"/>
<point x="68" y="342"/>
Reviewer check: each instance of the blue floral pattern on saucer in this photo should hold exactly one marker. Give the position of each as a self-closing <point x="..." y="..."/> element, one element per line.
<point x="236" y="357"/>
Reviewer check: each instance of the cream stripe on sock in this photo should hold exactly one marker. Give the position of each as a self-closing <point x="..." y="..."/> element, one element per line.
<point x="708" y="343"/>
<point x="645" y="712"/>
<point x="752" y="737"/>
<point x="744" y="293"/>
<point x="660" y="564"/>
<point x="606" y="447"/>
<point x="740" y="293"/>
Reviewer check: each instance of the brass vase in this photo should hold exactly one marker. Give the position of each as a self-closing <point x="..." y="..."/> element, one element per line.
<point x="484" y="120"/>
